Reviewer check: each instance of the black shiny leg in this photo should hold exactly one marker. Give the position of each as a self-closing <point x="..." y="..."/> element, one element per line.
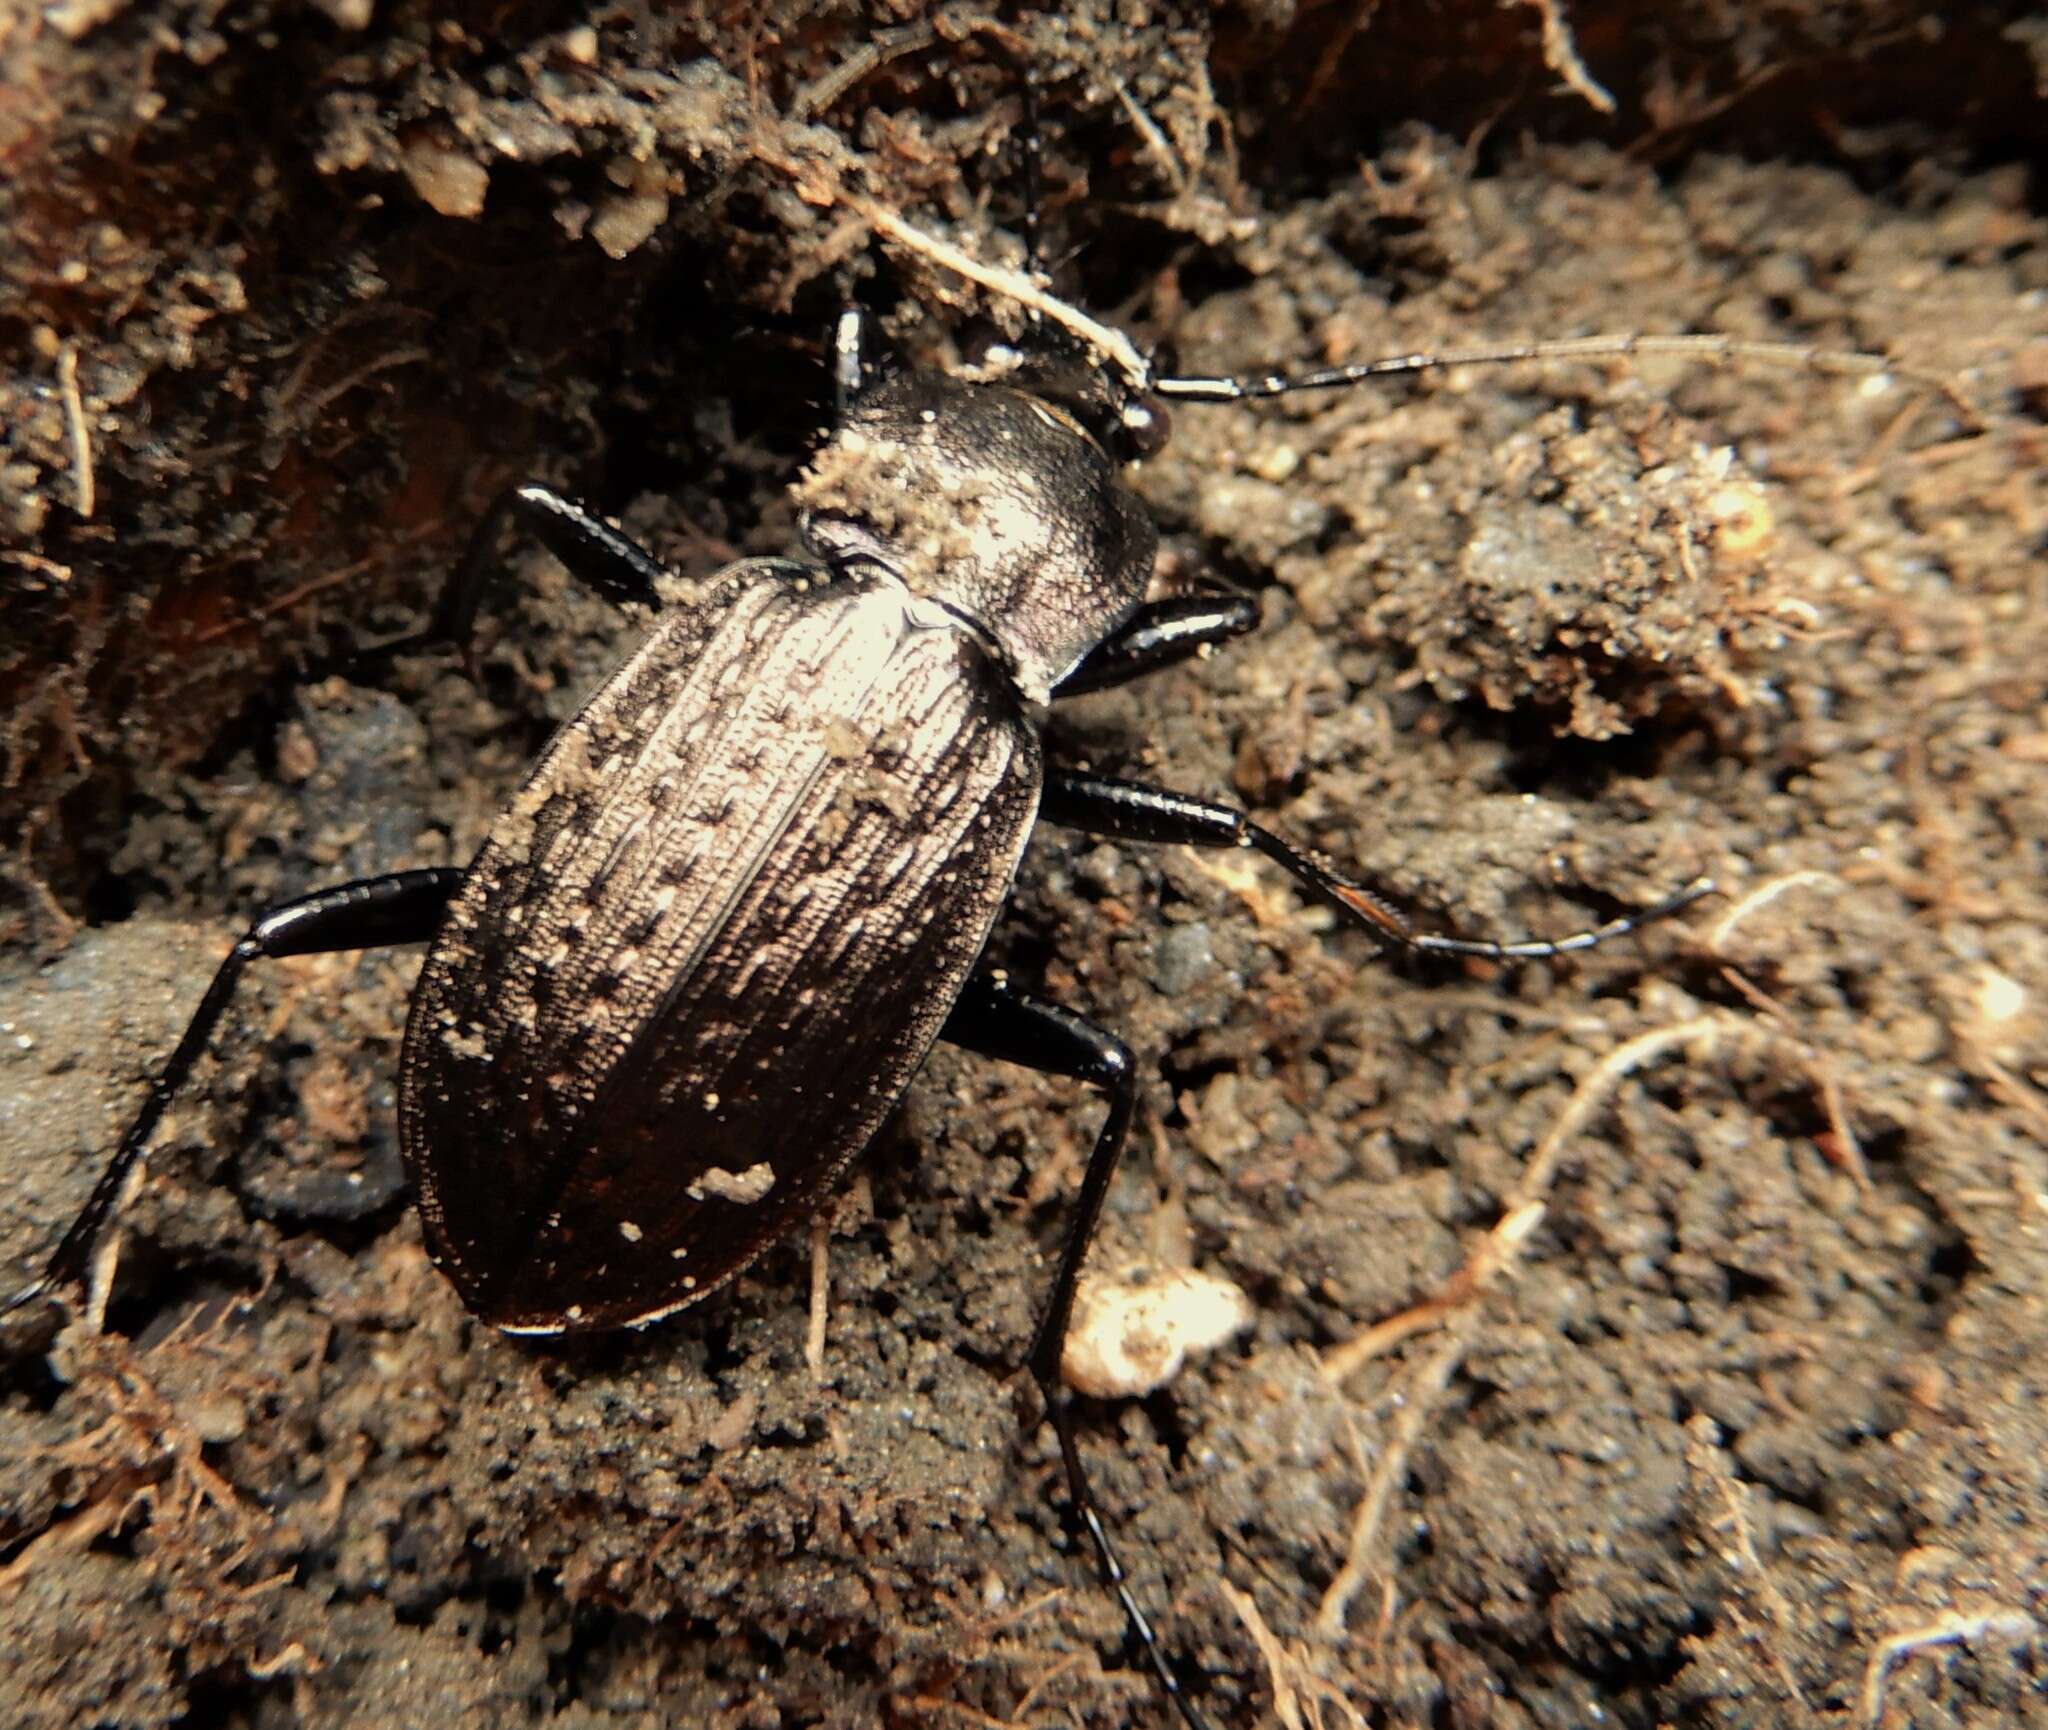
<point x="593" y="551"/>
<point x="1000" y="1023"/>
<point x="405" y="907"/>
<point x="1130" y="811"/>
<point x="1159" y="634"/>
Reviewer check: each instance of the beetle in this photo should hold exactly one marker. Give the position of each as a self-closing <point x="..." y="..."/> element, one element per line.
<point x="748" y="886"/>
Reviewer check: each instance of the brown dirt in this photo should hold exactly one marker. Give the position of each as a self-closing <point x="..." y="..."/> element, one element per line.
<point x="1747" y="1429"/>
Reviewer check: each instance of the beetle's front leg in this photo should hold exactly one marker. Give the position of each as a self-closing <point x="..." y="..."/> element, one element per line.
<point x="590" y="549"/>
<point x="404" y="907"/>
<point x="995" y="1021"/>
<point x="1131" y="811"/>
<point x="1158" y="635"/>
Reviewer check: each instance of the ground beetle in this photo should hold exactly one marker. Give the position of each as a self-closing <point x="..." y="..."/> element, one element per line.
<point x="747" y="887"/>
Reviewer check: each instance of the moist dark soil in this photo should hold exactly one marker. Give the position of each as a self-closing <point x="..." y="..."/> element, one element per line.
<point x="1651" y="1336"/>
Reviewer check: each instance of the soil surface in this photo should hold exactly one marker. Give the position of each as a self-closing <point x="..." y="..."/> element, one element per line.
<point x="1657" y="1335"/>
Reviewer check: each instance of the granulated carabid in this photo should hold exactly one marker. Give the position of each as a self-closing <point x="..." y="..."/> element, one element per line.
<point x="710" y="941"/>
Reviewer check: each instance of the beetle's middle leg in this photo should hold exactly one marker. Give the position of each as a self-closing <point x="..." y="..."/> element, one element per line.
<point x="997" y="1022"/>
<point x="1131" y="811"/>
<point x="403" y="907"/>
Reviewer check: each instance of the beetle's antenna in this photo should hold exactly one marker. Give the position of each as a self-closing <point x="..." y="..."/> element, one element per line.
<point x="1031" y="147"/>
<point x="1690" y="346"/>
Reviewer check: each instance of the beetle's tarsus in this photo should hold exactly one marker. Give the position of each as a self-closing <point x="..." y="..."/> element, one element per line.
<point x="995" y="1021"/>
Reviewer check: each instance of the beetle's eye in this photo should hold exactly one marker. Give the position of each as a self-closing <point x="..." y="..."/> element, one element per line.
<point x="1145" y="426"/>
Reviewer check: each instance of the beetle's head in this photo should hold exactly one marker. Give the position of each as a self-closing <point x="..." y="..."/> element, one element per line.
<point x="1123" y="418"/>
<point x="998" y="502"/>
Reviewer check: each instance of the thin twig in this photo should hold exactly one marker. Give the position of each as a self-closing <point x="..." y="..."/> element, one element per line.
<point x="1503" y="1248"/>
<point x="1762" y="896"/>
<point x="74" y="421"/>
<point x="75" y="1532"/>
<point x="1294" y="1684"/>
<point x="1332" y="56"/>
<point x="317" y="404"/>
<point x="285" y="602"/>
<point x="1561" y="55"/>
<point x="1950" y="1629"/>
<point x="1705" y="1456"/>
<point x="1623" y="1061"/>
<point x="821" y="1292"/>
<point x="36" y="562"/>
<point x="819" y="95"/>
<point x="1106" y="339"/>
<point x="951" y="24"/>
<point x="1041" y="1682"/>
<point x="1286" y="1706"/>
<point x="1156" y="141"/>
<point x="1846" y="1150"/>
<point x="1419" y="1405"/>
<point x="1495" y="1252"/>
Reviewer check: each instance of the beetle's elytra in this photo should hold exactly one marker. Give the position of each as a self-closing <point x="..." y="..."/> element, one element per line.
<point x="746" y="888"/>
<point x="742" y="889"/>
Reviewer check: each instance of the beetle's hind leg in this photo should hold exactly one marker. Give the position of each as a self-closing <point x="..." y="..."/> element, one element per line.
<point x="996" y="1022"/>
<point x="1131" y="811"/>
<point x="404" y="907"/>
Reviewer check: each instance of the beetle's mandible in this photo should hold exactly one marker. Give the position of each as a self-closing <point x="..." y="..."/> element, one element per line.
<point x="748" y="886"/>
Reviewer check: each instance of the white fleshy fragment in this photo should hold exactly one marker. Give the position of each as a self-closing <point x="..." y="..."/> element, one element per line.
<point x="743" y="1187"/>
<point x="1131" y="1338"/>
<point x="1999" y="998"/>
